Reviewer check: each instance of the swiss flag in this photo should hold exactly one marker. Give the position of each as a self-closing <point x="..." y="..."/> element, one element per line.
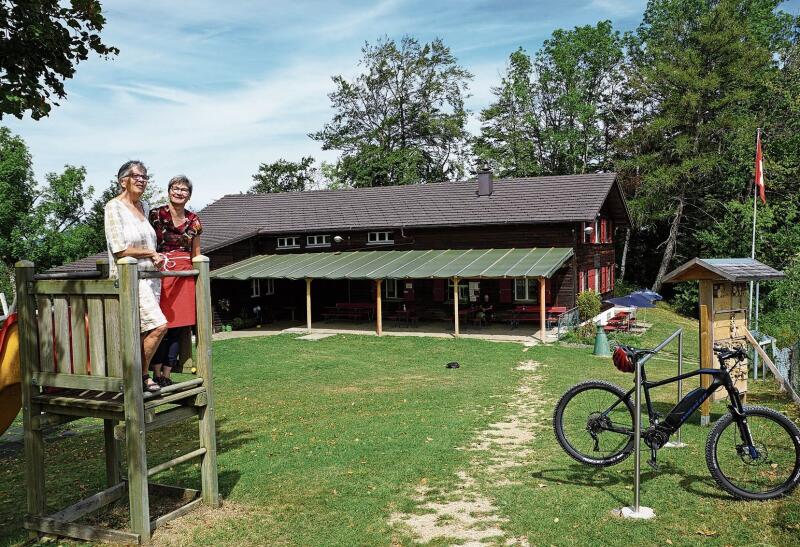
<point x="760" y="169"/>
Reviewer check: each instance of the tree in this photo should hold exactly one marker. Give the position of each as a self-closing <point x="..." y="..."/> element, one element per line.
<point x="284" y="176"/>
<point x="561" y="112"/>
<point x="510" y="138"/>
<point x="41" y="42"/>
<point x="402" y="121"/>
<point x="698" y="69"/>
<point x="17" y="190"/>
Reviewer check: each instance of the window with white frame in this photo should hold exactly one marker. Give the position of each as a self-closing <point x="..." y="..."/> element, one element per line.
<point x="318" y="241"/>
<point x="526" y="290"/>
<point x="290" y="242"/>
<point x="392" y="289"/>
<point x="463" y="291"/>
<point x="268" y="286"/>
<point x="255" y="288"/>
<point x="380" y="238"/>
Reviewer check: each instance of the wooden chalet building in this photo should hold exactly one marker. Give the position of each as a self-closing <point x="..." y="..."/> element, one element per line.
<point x="528" y="243"/>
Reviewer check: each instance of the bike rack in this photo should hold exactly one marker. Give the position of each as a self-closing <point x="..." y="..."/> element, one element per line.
<point x="637" y="511"/>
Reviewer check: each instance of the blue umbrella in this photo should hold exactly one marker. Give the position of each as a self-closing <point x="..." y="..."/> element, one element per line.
<point x="633" y="300"/>
<point x="651" y="295"/>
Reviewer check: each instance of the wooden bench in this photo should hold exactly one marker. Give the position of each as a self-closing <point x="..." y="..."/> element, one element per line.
<point x="80" y="356"/>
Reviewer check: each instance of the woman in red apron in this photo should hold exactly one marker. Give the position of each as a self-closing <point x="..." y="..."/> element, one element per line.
<point x="178" y="235"/>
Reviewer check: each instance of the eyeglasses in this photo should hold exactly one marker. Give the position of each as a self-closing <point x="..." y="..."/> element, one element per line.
<point x="179" y="190"/>
<point x="137" y="176"/>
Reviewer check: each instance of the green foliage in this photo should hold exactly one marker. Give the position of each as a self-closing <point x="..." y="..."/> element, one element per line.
<point x="402" y="120"/>
<point x="6" y="282"/>
<point x="588" y="305"/>
<point x="782" y="318"/>
<point x="40" y="44"/>
<point x="559" y="113"/>
<point x="686" y="299"/>
<point x="284" y="176"/>
<point x="699" y="72"/>
<point x="623" y="288"/>
<point x="17" y="190"/>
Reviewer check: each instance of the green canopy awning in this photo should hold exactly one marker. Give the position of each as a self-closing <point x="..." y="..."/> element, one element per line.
<point x="472" y="263"/>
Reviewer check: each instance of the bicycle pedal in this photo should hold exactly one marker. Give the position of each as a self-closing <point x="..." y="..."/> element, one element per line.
<point x="653" y="464"/>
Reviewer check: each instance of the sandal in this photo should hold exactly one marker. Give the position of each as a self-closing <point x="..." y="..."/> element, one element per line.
<point x="165" y="382"/>
<point x="149" y="385"/>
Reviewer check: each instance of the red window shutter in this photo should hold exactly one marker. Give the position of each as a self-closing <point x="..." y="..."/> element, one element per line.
<point x="603" y="230"/>
<point x="506" y="291"/>
<point x="592" y="275"/>
<point x="439" y="287"/>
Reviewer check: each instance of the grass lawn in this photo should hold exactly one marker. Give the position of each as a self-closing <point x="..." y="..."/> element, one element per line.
<point x="347" y="440"/>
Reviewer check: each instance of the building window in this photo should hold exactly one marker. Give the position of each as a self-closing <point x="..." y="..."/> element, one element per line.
<point x="380" y="238"/>
<point x="463" y="291"/>
<point x="292" y="242"/>
<point x="392" y="289"/>
<point x="269" y="286"/>
<point x="318" y="241"/>
<point x="526" y="290"/>
<point x="255" y="288"/>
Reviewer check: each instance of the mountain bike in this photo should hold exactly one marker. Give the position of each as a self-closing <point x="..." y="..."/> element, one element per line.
<point x="753" y="452"/>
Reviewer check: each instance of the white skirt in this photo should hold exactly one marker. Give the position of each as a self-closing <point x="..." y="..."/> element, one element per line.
<point x="150" y="314"/>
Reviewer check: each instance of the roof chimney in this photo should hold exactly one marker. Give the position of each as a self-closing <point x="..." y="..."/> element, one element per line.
<point x="485" y="184"/>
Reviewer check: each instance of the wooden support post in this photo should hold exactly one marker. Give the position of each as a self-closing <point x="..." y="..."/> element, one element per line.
<point x="136" y="448"/>
<point x="706" y="343"/>
<point x="113" y="452"/>
<point x="455" y="306"/>
<point x="208" y="437"/>
<point x="29" y="362"/>
<point x="308" y="304"/>
<point x="378" y="307"/>
<point x="542" y="315"/>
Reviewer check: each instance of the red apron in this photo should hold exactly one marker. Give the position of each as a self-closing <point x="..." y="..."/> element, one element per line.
<point x="177" y="293"/>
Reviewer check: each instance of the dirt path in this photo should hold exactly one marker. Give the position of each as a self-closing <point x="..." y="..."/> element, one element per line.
<point x="465" y="515"/>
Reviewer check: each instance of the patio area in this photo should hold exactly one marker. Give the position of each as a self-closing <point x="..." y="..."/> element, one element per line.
<point x="498" y="332"/>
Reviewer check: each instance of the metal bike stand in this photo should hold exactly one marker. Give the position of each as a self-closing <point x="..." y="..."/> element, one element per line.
<point x="636" y="511"/>
<point x="678" y="443"/>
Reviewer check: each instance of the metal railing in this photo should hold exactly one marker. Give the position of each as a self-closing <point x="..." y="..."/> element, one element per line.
<point x="567" y="321"/>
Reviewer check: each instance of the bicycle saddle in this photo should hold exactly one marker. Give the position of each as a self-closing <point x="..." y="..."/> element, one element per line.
<point x="724" y="353"/>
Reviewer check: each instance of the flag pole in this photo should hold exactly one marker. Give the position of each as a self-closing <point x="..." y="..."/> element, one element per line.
<point x="756" y="190"/>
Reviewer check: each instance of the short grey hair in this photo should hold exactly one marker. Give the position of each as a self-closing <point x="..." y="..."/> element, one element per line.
<point x="180" y="179"/>
<point x="125" y="170"/>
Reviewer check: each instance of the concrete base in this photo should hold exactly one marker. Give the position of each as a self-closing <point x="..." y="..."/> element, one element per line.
<point x="316" y="336"/>
<point x="673" y="444"/>
<point x="644" y="513"/>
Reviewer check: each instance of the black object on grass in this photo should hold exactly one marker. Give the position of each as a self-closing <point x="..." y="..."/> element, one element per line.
<point x="452" y="364"/>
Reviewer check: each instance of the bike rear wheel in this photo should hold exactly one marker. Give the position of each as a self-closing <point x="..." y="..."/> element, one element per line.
<point x="589" y="429"/>
<point x="772" y="472"/>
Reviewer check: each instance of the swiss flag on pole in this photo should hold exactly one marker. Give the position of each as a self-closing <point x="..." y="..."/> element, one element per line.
<point x="760" y="169"/>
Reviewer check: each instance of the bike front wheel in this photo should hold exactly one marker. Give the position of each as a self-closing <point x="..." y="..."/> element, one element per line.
<point x="769" y="471"/>
<point x="593" y="422"/>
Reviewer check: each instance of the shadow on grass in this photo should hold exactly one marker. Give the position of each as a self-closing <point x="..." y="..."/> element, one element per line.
<point x="602" y="479"/>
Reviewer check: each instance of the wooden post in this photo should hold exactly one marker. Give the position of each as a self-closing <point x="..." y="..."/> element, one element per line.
<point x="308" y="304"/>
<point x="542" y="316"/>
<point x="29" y="362"/>
<point x="131" y="346"/>
<point x="378" y="307"/>
<point x="455" y="305"/>
<point x="706" y="343"/>
<point x="208" y="436"/>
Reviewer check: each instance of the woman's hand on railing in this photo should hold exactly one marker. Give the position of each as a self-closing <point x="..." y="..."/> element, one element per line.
<point x="158" y="259"/>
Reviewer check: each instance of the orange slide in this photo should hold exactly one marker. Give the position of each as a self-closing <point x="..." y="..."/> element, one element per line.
<point x="10" y="393"/>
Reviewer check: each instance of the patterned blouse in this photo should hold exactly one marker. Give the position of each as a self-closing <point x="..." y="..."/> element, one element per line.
<point x="170" y="237"/>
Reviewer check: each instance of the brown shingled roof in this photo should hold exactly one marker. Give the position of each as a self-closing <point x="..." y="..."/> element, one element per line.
<point x="567" y="198"/>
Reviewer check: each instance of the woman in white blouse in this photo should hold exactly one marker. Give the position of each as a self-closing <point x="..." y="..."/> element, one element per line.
<point x="129" y="233"/>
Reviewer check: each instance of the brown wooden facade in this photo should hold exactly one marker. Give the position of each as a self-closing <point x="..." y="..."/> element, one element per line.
<point x="281" y="298"/>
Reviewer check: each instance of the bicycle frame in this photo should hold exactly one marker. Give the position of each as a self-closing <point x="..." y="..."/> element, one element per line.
<point x="722" y="378"/>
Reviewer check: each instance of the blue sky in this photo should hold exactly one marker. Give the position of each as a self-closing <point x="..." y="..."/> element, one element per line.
<point x="211" y="89"/>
